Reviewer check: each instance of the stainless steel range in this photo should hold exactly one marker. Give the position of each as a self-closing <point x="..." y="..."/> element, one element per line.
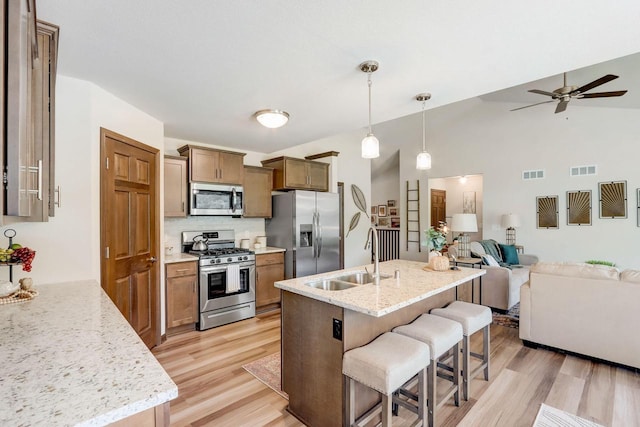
<point x="226" y="277"/>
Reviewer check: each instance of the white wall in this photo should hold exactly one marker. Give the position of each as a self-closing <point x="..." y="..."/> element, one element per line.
<point x="68" y="246"/>
<point x="385" y="185"/>
<point x="476" y="137"/>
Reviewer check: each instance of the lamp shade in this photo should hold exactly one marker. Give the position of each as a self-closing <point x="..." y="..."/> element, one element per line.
<point x="272" y="118"/>
<point x="370" y="147"/>
<point x="423" y="161"/>
<point x="464" y="223"/>
<point x="510" y="221"/>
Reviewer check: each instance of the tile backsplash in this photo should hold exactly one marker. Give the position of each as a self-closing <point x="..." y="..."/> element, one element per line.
<point x="245" y="228"/>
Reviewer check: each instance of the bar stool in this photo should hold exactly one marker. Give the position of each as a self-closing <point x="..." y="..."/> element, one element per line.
<point x="441" y="335"/>
<point x="384" y="365"/>
<point x="472" y="318"/>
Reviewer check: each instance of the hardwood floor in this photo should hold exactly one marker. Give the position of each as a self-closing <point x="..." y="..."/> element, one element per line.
<point x="214" y="389"/>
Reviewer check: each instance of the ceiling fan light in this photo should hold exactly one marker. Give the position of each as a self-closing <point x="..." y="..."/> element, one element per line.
<point x="370" y="147"/>
<point x="423" y="161"/>
<point x="272" y="119"/>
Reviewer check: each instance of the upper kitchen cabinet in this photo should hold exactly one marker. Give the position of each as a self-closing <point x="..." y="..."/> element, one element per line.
<point x="175" y="186"/>
<point x="215" y="166"/>
<point x="298" y="174"/>
<point x="257" y="192"/>
<point x="31" y="57"/>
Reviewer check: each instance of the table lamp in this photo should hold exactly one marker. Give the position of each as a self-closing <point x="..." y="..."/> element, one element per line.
<point x="464" y="223"/>
<point x="510" y="222"/>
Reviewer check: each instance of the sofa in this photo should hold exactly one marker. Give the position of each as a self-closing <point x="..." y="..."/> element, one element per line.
<point x="501" y="283"/>
<point x="584" y="309"/>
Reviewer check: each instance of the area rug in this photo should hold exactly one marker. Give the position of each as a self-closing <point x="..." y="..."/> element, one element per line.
<point x="549" y="416"/>
<point x="511" y="319"/>
<point x="267" y="370"/>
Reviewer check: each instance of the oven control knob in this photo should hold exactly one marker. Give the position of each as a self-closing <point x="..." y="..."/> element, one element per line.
<point x="218" y="261"/>
<point x="229" y="259"/>
<point x="245" y="258"/>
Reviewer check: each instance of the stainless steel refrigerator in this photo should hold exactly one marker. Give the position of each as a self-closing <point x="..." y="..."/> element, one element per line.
<point x="307" y="225"/>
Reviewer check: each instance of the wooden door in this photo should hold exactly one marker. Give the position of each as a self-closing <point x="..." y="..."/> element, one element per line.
<point x="438" y="207"/>
<point x="257" y="192"/>
<point x="175" y="186"/>
<point x="129" y="229"/>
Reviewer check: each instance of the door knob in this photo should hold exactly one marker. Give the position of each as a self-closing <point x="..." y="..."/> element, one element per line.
<point x="152" y="259"/>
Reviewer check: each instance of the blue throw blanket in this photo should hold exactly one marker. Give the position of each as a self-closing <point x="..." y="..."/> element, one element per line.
<point x="491" y="247"/>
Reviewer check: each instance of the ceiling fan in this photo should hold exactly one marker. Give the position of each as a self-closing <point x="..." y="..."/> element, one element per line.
<point x="566" y="93"/>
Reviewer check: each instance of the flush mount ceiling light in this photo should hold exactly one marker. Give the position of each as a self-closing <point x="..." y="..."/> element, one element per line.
<point x="423" y="161"/>
<point x="272" y="118"/>
<point x="370" y="144"/>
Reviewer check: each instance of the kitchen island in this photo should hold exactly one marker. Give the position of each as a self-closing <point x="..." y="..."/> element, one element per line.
<point x="70" y="358"/>
<point x="318" y="326"/>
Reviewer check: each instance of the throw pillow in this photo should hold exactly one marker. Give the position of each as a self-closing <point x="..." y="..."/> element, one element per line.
<point x="490" y="261"/>
<point x="510" y="254"/>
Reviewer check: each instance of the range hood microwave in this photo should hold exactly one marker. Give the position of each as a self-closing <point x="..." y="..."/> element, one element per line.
<point x="215" y="199"/>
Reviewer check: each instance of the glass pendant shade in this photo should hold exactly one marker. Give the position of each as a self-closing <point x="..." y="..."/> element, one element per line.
<point x="272" y="119"/>
<point x="423" y="161"/>
<point x="370" y="147"/>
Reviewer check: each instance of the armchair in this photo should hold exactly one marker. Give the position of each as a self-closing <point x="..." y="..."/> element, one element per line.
<point x="501" y="285"/>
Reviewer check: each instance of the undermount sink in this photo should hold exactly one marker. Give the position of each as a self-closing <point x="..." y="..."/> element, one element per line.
<point x="360" y="277"/>
<point x="330" y="285"/>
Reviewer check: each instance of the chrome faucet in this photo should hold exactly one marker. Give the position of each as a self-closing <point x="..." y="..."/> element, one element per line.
<point x="376" y="264"/>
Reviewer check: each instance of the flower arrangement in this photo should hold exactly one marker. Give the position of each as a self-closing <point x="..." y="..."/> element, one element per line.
<point x="437" y="238"/>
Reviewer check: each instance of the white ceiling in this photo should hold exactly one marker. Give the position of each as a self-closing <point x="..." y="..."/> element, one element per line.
<point x="203" y="67"/>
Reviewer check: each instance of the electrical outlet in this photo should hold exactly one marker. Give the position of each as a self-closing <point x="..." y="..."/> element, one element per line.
<point x="337" y="329"/>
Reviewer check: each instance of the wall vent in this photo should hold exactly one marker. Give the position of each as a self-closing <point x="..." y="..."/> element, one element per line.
<point x="583" y="170"/>
<point x="535" y="174"/>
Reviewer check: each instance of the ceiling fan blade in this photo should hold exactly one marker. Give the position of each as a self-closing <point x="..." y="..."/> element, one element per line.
<point x="595" y="83"/>
<point x="542" y="92"/>
<point x="602" y="94"/>
<point x="562" y="105"/>
<point x="532" y="105"/>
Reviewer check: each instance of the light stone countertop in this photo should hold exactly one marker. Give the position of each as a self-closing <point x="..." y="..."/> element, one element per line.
<point x="415" y="284"/>
<point x="268" y="250"/>
<point x="70" y="358"/>
<point x="179" y="257"/>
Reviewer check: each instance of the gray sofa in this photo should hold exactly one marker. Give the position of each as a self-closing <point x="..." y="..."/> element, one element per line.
<point x="501" y="285"/>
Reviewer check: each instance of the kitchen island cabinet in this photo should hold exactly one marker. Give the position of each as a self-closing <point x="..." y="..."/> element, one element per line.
<point x="319" y="326"/>
<point x="70" y="358"/>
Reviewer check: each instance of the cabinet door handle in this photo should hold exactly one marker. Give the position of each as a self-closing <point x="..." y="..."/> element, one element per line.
<point x="59" y="192"/>
<point x="39" y="179"/>
<point x="220" y="173"/>
<point x="182" y="207"/>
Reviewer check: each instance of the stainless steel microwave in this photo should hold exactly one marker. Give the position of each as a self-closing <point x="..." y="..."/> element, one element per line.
<point x="215" y="199"/>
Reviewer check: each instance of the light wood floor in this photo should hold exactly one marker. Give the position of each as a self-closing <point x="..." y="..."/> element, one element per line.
<point x="214" y="389"/>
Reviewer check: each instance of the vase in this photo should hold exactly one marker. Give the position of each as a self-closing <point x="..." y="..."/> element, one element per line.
<point x="439" y="263"/>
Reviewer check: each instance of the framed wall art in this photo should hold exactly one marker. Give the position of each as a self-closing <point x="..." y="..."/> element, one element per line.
<point x="393" y="211"/>
<point x="374" y="210"/>
<point x="547" y="211"/>
<point x="579" y="207"/>
<point x="469" y="202"/>
<point x="391" y="203"/>
<point x="383" y="222"/>
<point x="382" y="210"/>
<point x="395" y="222"/>
<point x="613" y="199"/>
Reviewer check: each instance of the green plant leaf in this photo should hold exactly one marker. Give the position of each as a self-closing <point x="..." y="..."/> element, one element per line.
<point x="358" y="199"/>
<point x="354" y="222"/>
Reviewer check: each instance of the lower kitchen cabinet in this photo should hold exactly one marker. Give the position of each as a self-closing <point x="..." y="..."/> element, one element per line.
<point x="269" y="269"/>
<point x="182" y="296"/>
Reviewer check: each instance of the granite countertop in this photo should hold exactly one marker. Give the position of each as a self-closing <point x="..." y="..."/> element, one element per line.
<point x="268" y="250"/>
<point x="179" y="257"/>
<point x="414" y="284"/>
<point x="70" y="358"/>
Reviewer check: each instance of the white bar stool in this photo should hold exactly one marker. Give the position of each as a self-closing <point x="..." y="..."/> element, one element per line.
<point x="441" y="335"/>
<point x="384" y="365"/>
<point x="472" y="318"/>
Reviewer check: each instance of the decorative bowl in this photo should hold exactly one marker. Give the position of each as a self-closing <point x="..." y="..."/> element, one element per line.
<point x="7" y="288"/>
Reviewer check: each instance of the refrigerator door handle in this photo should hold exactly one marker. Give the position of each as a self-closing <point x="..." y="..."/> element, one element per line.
<point x="314" y="241"/>
<point x="319" y="238"/>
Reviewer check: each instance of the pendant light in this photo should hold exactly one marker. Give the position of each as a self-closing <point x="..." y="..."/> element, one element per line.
<point x="423" y="161"/>
<point x="370" y="144"/>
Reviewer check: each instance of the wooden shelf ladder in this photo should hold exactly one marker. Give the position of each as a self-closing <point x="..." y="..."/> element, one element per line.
<point x="413" y="215"/>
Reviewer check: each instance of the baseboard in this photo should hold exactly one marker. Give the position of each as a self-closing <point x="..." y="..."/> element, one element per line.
<point x="535" y="345"/>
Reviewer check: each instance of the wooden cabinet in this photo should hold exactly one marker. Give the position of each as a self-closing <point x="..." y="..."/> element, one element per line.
<point x="269" y="269"/>
<point x="30" y="114"/>
<point x="257" y="192"/>
<point x="175" y="186"/>
<point x="215" y="166"/>
<point x="298" y="174"/>
<point x="182" y="294"/>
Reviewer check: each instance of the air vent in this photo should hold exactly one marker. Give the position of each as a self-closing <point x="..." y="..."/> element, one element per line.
<point x="536" y="174"/>
<point x="583" y="170"/>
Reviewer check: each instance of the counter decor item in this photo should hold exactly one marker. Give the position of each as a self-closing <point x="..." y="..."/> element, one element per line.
<point x="22" y="292"/>
<point x="438" y="263"/>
